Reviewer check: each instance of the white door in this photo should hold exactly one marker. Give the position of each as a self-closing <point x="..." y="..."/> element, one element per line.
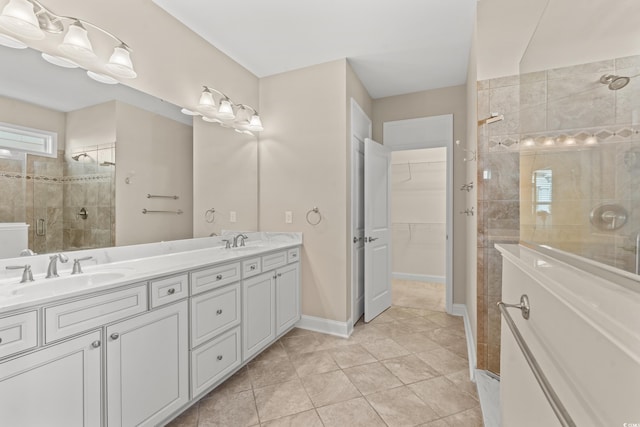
<point x="377" y="229"/>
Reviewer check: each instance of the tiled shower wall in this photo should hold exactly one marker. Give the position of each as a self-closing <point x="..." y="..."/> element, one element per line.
<point x="566" y="121"/>
<point x="47" y="193"/>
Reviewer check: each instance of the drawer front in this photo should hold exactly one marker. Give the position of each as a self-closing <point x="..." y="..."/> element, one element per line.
<point x="214" y="277"/>
<point x="214" y="360"/>
<point x="273" y="261"/>
<point x="293" y="255"/>
<point x="251" y="267"/>
<point x="170" y="289"/>
<point x="67" y="319"/>
<point x="214" y="312"/>
<point x="18" y="332"/>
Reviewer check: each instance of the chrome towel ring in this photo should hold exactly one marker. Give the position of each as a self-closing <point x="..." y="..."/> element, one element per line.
<point x="317" y="213"/>
<point x="210" y="215"/>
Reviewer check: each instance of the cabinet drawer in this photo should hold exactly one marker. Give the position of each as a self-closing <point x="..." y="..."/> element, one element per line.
<point x="272" y="261"/>
<point x="18" y="332"/>
<point x="214" y="312"/>
<point x="214" y="360"/>
<point x="67" y="319"/>
<point x="169" y="289"/>
<point x="293" y="255"/>
<point x="251" y="267"/>
<point x="214" y="277"/>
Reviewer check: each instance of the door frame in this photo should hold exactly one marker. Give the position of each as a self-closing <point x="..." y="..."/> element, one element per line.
<point x="409" y="134"/>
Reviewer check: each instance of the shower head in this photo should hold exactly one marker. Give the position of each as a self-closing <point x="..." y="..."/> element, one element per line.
<point x="495" y="117"/>
<point x="614" y="82"/>
<point x="77" y="156"/>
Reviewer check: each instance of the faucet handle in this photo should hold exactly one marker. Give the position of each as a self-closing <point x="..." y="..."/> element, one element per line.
<point x="77" y="268"/>
<point x="227" y="244"/>
<point x="242" y="237"/>
<point x="27" y="275"/>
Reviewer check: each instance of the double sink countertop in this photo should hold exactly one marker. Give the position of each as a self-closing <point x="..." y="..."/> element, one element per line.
<point x="120" y="266"/>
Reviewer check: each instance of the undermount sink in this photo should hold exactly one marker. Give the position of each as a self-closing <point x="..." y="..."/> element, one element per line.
<point x="246" y="248"/>
<point x="64" y="284"/>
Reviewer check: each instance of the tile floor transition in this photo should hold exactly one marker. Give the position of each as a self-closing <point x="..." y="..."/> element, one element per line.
<point x="408" y="367"/>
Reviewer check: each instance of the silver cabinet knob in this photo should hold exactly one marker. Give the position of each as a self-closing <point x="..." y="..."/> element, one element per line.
<point x="219" y="311"/>
<point x="115" y="336"/>
<point x="95" y="344"/>
<point x="219" y="357"/>
<point x="219" y="277"/>
<point x="0" y="340"/>
<point x="253" y="267"/>
<point x="171" y="291"/>
<point x="279" y="274"/>
<point x="294" y="255"/>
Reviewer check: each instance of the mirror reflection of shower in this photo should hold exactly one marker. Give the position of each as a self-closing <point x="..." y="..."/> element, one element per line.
<point x="614" y="82"/>
<point x="107" y="163"/>
<point x="77" y="157"/>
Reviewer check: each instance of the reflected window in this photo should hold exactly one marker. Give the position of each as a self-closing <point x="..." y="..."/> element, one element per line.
<point x="542" y="181"/>
<point x="20" y="139"/>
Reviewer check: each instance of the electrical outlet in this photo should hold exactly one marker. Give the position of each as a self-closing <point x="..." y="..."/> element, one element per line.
<point x="288" y="217"/>
<point x="232" y="216"/>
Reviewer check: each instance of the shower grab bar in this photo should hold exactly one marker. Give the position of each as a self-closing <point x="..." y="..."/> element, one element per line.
<point x="157" y="196"/>
<point x="553" y="399"/>
<point x="146" y="211"/>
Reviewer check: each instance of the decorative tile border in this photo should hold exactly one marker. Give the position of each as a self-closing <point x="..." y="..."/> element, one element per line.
<point x="55" y="179"/>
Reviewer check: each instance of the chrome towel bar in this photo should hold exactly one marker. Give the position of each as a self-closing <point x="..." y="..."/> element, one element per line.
<point x="146" y="211"/>
<point x="157" y="196"/>
<point x="550" y="394"/>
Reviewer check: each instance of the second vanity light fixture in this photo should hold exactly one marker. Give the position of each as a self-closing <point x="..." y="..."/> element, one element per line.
<point x="241" y="117"/>
<point x="30" y="20"/>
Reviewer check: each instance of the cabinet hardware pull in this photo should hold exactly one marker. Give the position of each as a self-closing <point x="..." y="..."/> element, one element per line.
<point x="219" y="277"/>
<point x="115" y="336"/>
<point x="95" y="344"/>
<point x="279" y="274"/>
<point x="372" y="239"/>
<point x="275" y="276"/>
<point x="0" y="340"/>
<point x="219" y="311"/>
<point x="219" y="357"/>
<point x="294" y="255"/>
<point x="171" y="291"/>
<point x="253" y="267"/>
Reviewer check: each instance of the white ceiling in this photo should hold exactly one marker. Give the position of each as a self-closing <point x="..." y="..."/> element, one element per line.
<point x="395" y="47"/>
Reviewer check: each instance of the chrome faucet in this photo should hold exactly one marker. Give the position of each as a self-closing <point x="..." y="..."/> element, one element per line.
<point x="52" y="270"/>
<point x="27" y="276"/>
<point x="77" y="268"/>
<point x="242" y="238"/>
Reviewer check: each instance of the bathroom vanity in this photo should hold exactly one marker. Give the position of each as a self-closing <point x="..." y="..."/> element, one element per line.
<point x="136" y="341"/>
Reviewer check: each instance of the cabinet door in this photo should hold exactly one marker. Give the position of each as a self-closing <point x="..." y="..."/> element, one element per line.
<point x="258" y="313"/>
<point x="287" y="297"/>
<point x="147" y="366"/>
<point x="56" y="386"/>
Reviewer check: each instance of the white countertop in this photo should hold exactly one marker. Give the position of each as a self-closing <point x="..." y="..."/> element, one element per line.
<point x="120" y="266"/>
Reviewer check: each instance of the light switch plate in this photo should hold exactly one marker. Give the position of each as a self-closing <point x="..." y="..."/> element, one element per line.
<point x="288" y="217"/>
<point x="232" y="216"/>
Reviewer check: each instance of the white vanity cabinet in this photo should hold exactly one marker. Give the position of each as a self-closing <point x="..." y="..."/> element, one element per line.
<point x="147" y="366"/>
<point x="59" y="385"/>
<point x="271" y="301"/>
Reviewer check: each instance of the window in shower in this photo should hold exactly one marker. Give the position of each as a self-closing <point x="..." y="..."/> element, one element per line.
<point x="542" y="181"/>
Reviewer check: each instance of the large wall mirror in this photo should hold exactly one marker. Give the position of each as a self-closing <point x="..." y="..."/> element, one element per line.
<point x="115" y="146"/>
<point x="579" y="116"/>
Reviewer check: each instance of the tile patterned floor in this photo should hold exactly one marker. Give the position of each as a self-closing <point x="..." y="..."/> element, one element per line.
<point x="408" y="367"/>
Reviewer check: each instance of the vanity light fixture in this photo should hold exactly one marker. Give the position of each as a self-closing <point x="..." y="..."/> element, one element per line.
<point x="29" y="20"/>
<point x="241" y="117"/>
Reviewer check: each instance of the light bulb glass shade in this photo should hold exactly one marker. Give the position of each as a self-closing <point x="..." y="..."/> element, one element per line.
<point x="120" y="63"/>
<point x="8" y="41"/>
<point x="19" y="18"/>
<point x="59" y="61"/>
<point x="76" y="42"/>
<point x="210" y="119"/>
<point x="206" y="100"/>
<point x="225" y="111"/>
<point x="255" y="124"/>
<point x="102" y="78"/>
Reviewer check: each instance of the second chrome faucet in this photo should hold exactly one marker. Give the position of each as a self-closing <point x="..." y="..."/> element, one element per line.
<point x="52" y="269"/>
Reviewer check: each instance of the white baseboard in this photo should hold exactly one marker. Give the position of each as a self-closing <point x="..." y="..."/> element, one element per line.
<point x="461" y="310"/>
<point x="418" y="277"/>
<point x="326" y="326"/>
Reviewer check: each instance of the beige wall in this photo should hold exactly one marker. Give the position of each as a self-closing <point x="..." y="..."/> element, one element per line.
<point x="451" y="100"/>
<point x="156" y="153"/>
<point x="302" y="165"/>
